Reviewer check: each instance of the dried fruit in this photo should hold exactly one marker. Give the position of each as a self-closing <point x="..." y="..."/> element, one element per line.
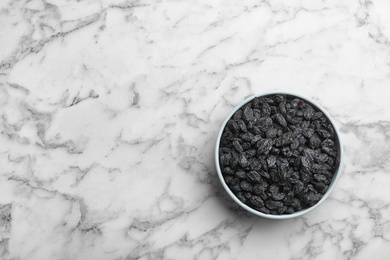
<point x="280" y="119"/>
<point x="246" y="186"/>
<point x="264" y="146"/>
<point x="257" y="201"/>
<point x="254" y="176"/>
<point x="248" y="113"/>
<point x="237" y="146"/>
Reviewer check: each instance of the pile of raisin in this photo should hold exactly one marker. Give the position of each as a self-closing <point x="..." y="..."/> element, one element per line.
<point x="278" y="154"/>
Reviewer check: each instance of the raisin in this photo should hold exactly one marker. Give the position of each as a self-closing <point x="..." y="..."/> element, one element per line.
<point x="271" y="161"/>
<point x="319" y="177"/>
<point x="246" y="186"/>
<point x="248" y="113"/>
<point x="323" y="133"/>
<point x="308" y="113"/>
<point x="248" y="195"/>
<point x="329" y="151"/>
<point x="238" y="115"/>
<point x="255" y="139"/>
<point x="264" y="174"/>
<point x="240" y="174"/>
<point x="254" y="176"/>
<point x="282" y="210"/>
<point x="236" y="187"/>
<point x="282" y="108"/>
<point x="271" y="204"/>
<point x="314" y="141"/>
<point x="264" y="146"/>
<point x="271" y="133"/>
<point x="305" y="162"/>
<point x="233" y="126"/>
<point x="225" y="159"/>
<point x="265" y="109"/>
<point x="298" y="187"/>
<point x="228" y="171"/>
<point x="242" y="126"/>
<point x="242" y="160"/>
<point x="295" y="144"/>
<point x="257" y="201"/>
<point x="234" y="160"/>
<point x="265" y="123"/>
<point x="247" y="137"/>
<point x="237" y="146"/>
<point x="250" y="153"/>
<point x="289" y="210"/>
<point x="280" y="119"/>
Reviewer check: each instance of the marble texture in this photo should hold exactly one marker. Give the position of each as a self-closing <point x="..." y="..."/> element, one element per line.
<point x="109" y="112"/>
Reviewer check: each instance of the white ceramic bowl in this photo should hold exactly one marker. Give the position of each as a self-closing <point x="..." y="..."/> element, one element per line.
<point x="298" y="213"/>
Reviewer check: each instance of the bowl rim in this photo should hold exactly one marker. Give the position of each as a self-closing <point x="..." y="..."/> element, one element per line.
<point x="331" y="185"/>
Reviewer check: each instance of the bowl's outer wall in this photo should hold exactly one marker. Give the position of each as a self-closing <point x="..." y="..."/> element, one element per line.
<point x="335" y="177"/>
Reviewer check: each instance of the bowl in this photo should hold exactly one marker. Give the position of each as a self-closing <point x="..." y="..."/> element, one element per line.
<point x="336" y="175"/>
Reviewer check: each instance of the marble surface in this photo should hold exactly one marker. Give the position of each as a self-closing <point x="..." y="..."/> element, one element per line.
<point x="109" y="112"/>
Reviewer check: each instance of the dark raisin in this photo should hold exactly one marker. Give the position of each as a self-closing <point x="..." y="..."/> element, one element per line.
<point x="248" y="113"/>
<point x="305" y="177"/>
<point x="314" y="141"/>
<point x="257" y="201"/>
<point x="246" y="146"/>
<point x="237" y="146"/>
<point x="271" y="204"/>
<point x="305" y="162"/>
<point x="282" y="210"/>
<point x="328" y="143"/>
<point x="246" y="186"/>
<point x="233" y="126"/>
<point x="295" y="102"/>
<point x="282" y="108"/>
<point x="295" y="144"/>
<point x="254" y="176"/>
<point x="308" y="113"/>
<point x="236" y="187"/>
<point x="265" y="123"/>
<point x="280" y="119"/>
<point x="265" y="109"/>
<point x="250" y="153"/>
<point x="238" y="115"/>
<point x="271" y="133"/>
<point x="271" y="161"/>
<point x="227" y="171"/>
<point x="248" y="195"/>
<point x="225" y="159"/>
<point x="247" y="137"/>
<point x="264" y="146"/>
<point x="242" y="160"/>
<point x="255" y="139"/>
<point x="242" y="126"/>
<point x="319" y="177"/>
<point x="329" y="151"/>
<point x="234" y="160"/>
<point x="240" y="174"/>
<point x="298" y="187"/>
<point x="264" y="174"/>
<point x="289" y="210"/>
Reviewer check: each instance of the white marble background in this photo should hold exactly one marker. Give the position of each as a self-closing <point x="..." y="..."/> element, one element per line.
<point x="109" y="112"/>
